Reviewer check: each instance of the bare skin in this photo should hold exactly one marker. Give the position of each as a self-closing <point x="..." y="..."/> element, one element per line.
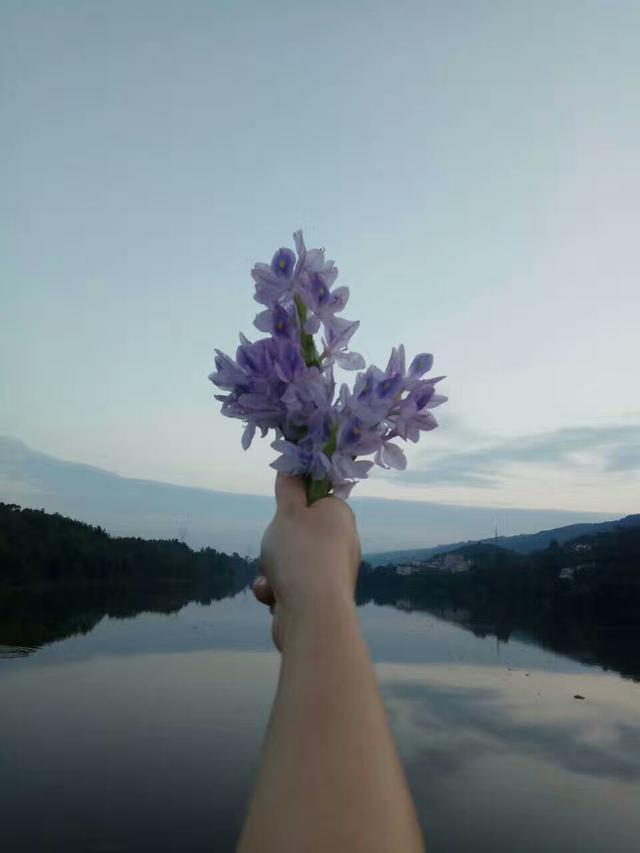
<point x="330" y="777"/>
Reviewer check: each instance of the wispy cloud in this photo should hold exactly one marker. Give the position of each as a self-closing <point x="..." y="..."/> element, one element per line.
<point x="235" y="522"/>
<point x="607" y="449"/>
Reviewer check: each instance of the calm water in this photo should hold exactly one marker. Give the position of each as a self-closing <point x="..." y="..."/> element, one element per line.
<point x="143" y="735"/>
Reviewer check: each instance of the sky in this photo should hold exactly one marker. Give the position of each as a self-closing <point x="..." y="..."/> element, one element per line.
<point x="473" y="168"/>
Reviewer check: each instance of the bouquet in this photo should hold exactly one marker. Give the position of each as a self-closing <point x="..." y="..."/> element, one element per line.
<point x="285" y="381"/>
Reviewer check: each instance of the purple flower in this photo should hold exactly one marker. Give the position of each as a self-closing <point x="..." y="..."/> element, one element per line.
<point x="283" y="263"/>
<point x="285" y="381"/>
<point x="357" y="438"/>
<point x="305" y="458"/>
<point x="279" y="321"/>
<point x="309" y="454"/>
<point x="227" y="375"/>
<point x="310" y="260"/>
<point x="258" y="380"/>
<point x="375" y="395"/>
<point x="391" y="456"/>
<point x="275" y="282"/>
<point x="420" y="365"/>
<point x="311" y="392"/>
<point x="315" y="279"/>
<point x="338" y="334"/>
<point x="345" y="467"/>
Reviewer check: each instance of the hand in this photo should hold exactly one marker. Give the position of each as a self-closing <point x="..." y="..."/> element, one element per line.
<point x="309" y="557"/>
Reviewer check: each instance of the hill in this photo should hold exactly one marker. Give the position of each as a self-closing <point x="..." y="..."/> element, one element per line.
<point x="592" y="578"/>
<point x="37" y="547"/>
<point x="523" y="543"/>
<point x="580" y="598"/>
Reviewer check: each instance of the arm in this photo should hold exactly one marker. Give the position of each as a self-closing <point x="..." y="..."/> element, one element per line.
<point x="330" y="778"/>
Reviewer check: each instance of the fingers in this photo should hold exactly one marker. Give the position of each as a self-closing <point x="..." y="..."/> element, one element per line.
<point x="343" y="503"/>
<point x="290" y="492"/>
<point x="262" y="590"/>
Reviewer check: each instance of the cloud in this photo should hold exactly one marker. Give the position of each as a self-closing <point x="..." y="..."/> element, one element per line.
<point x="609" y="449"/>
<point x="128" y="506"/>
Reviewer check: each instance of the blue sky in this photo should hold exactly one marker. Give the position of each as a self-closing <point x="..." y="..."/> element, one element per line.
<point x="473" y="169"/>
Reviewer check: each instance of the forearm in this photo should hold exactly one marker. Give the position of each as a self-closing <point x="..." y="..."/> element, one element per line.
<point x="330" y="778"/>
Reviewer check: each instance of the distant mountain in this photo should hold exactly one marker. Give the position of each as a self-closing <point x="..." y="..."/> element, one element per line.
<point x="526" y="543"/>
<point x="523" y="543"/>
<point x="234" y="522"/>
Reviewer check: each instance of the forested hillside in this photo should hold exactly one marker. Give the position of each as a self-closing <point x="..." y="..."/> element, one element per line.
<point x="36" y="546"/>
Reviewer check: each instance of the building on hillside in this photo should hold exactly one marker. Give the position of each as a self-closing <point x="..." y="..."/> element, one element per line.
<point x="409" y="568"/>
<point x="456" y="563"/>
<point x="569" y="572"/>
<point x="450" y="563"/>
<point x="445" y="562"/>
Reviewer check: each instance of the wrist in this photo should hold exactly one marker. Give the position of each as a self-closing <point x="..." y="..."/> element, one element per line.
<point x="321" y="614"/>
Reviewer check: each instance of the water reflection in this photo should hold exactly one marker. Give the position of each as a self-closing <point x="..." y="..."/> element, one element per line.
<point x="143" y="733"/>
<point x="145" y="752"/>
<point x="529" y="767"/>
<point x="540" y="719"/>
<point x="32" y="618"/>
<point x="608" y="645"/>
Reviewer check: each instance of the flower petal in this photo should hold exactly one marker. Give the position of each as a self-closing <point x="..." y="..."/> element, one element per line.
<point x="394" y="456"/>
<point x="247" y="435"/>
<point x="420" y="365"/>
<point x="350" y="360"/>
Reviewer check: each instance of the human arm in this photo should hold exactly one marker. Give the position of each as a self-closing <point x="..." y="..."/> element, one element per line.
<point x="330" y="777"/>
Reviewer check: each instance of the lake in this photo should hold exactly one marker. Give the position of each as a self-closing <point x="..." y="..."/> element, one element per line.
<point x="143" y="733"/>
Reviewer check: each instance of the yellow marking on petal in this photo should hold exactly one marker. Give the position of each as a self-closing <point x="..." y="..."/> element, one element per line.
<point x="283" y="264"/>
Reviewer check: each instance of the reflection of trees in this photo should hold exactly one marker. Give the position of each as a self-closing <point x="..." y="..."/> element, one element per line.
<point x="588" y="611"/>
<point x="60" y="577"/>
<point x="33" y="617"/>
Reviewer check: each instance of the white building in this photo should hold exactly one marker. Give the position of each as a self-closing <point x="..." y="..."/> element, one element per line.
<point x="408" y="569"/>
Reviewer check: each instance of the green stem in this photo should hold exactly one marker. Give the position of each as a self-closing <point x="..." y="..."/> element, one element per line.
<point x="308" y="345"/>
<point x="317" y="489"/>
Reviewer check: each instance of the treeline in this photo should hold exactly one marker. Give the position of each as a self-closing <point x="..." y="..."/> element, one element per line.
<point x="594" y="578"/>
<point x="39" y="547"/>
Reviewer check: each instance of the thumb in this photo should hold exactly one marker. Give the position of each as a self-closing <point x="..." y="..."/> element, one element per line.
<point x="291" y="493"/>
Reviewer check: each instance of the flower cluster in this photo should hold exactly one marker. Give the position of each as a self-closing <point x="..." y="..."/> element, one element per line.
<point x="285" y="381"/>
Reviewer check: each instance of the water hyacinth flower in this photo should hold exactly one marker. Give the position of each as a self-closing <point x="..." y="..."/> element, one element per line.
<point x="285" y="382"/>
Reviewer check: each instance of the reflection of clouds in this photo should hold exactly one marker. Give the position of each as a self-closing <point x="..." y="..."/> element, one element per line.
<point x="629" y="737"/>
<point x="444" y="723"/>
